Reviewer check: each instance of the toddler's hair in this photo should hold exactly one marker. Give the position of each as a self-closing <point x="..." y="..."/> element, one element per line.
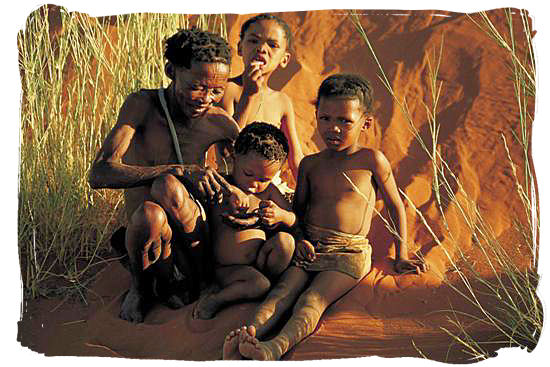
<point x="265" y="16"/>
<point x="195" y="45"/>
<point x="347" y="86"/>
<point x="264" y="139"/>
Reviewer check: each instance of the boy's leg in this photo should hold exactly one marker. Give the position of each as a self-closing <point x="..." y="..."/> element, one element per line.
<point x="238" y="283"/>
<point x="147" y="242"/>
<point x="327" y="287"/>
<point x="280" y="299"/>
<point x="275" y="254"/>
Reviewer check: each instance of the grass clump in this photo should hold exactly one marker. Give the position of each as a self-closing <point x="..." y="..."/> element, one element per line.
<point x="75" y="73"/>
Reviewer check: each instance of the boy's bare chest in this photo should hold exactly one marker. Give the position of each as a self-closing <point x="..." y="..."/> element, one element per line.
<point x="339" y="182"/>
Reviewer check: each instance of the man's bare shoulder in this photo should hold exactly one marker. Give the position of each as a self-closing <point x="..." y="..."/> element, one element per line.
<point x="138" y="106"/>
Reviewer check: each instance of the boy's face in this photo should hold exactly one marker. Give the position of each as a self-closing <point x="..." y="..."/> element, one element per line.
<point x="196" y="89"/>
<point x="264" y="43"/>
<point x="253" y="173"/>
<point x="340" y="121"/>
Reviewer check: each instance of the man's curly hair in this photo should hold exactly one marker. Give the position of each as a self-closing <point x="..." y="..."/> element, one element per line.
<point x="195" y="45"/>
<point x="264" y="139"/>
<point x="265" y="16"/>
<point x="347" y="86"/>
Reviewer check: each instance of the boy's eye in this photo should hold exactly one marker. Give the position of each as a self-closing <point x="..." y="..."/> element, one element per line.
<point x="247" y="174"/>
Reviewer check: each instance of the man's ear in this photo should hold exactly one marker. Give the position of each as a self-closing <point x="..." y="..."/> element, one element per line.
<point x="170" y="70"/>
<point x="285" y="60"/>
<point x="368" y="122"/>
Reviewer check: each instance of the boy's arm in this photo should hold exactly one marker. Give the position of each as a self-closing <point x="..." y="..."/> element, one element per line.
<point x="108" y="171"/>
<point x="288" y="126"/>
<point x="386" y="182"/>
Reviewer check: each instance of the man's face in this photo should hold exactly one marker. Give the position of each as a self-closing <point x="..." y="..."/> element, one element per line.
<point x="196" y="89"/>
<point x="340" y="121"/>
<point x="252" y="173"/>
<point x="265" y="44"/>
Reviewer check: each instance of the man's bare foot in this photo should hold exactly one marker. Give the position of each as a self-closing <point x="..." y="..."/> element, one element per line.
<point x="206" y="307"/>
<point x="252" y="348"/>
<point x="134" y="306"/>
<point x="231" y="345"/>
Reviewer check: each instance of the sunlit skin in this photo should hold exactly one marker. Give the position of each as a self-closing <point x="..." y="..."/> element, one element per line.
<point x="325" y="198"/>
<point x="138" y="156"/>
<point x="248" y="97"/>
<point x="246" y="259"/>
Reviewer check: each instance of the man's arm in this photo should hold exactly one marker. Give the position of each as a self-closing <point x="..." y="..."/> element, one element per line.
<point x="107" y="169"/>
<point x="288" y="126"/>
<point x="392" y="200"/>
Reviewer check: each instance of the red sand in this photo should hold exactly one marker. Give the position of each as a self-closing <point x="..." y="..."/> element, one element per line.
<point x="385" y="314"/>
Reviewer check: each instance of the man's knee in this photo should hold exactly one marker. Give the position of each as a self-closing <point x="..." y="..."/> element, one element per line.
<point x="148" y="233"/>
<point x="169" y="192"/>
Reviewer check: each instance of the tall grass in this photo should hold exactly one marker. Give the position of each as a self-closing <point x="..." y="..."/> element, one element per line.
<point x="75" y="72"/>
<point x="506" y="300"/>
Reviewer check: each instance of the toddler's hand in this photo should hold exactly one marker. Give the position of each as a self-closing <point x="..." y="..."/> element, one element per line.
<point x="305" y="251"/>
<point x="270" y="213"/>
<point x="238" y="201"/>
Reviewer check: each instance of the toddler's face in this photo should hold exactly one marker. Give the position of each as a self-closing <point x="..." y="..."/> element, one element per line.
<point x="265" y="45"/>
<point x="253" y="173"/>
<point x="340" y="121"/>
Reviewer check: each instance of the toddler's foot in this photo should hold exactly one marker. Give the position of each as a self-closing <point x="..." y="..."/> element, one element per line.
<point x="251" y="348"/>
<point x="231" y="345"/>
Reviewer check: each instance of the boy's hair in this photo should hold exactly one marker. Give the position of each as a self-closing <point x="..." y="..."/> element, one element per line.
<point x="265" y="16"/>
<point x="347" y="85"/>
<point x="264" y="139"/>
<point x="195" y="45"/>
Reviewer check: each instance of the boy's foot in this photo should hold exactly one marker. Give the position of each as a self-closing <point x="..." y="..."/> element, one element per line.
<point x="231" y="345"/>
<point x="252" y="348"/>
<point x="134" y="306"/>
<point x="206" y="307"/>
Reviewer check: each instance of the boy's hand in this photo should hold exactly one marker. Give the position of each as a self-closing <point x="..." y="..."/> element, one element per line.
<point x="253" y="78"/>
<point x="270" y="213"/>
<point x="405" y="266"/>
<point x="305" y="251"/>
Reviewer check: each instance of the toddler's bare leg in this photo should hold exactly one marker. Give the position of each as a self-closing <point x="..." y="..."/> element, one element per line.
<point x="326" y="288"/>
<point x="275" y="255"/>
<point x="239" y="283"/>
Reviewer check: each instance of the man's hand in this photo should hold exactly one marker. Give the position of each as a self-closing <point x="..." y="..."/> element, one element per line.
<point x="270" y="213"/>
<point x="405" y="266"/>
<point x="212" y="185"/>
<point x="305" y="251"/>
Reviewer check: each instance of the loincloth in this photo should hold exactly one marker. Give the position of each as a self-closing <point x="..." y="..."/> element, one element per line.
<point x="337" y="251"/>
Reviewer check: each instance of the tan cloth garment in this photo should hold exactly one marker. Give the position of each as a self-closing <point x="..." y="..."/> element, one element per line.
<point x="337" y="251"/>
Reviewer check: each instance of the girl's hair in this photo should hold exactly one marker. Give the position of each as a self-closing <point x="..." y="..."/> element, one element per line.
<point x="265" y="16"/>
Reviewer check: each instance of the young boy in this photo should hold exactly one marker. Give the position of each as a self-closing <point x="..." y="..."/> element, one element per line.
<point x="246" y="251"/>
<point x="160" y="137"/>
<point x="265" y="42"/>
<point x="333" y="254"/>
